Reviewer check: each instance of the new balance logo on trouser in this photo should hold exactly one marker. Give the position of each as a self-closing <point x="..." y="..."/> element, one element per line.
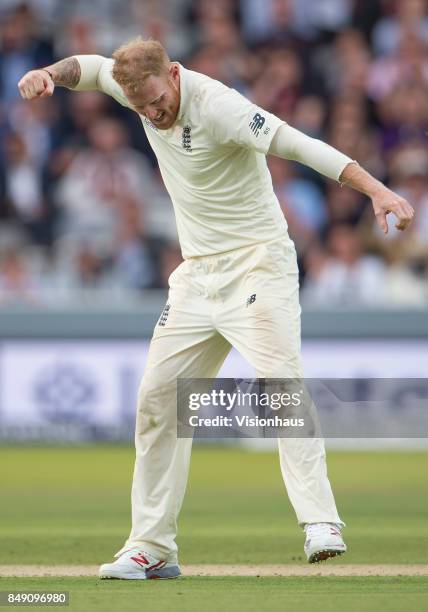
<point x="208" y="314"/>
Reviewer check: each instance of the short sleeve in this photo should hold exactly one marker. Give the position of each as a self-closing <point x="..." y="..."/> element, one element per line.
<point x="108" y="85"/>
<point x="233" y="119"/>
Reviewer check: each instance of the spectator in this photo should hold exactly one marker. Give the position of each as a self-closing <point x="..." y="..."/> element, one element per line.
<point x="408" y="66"/>
<point x="99" y="178"/>
<point x="310" y="116"/>
<point x="408" y="16"/>
<point x="403" y="117"/>
<point x="301" y="201"/>
<point x="408" y="170"/>
<point x="328" y="17"/>
<point x="25" y="202"/>
<point x="36" y="127"/>
<point x="345" y="64"/>
<point x="344" y="275"/>
<point x="17" y="281"/>
<point x="137" y="256"/>
<point x="20" y="49"/>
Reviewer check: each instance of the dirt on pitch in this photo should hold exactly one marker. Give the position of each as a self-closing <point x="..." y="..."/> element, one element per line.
<point x="325" y="569"/>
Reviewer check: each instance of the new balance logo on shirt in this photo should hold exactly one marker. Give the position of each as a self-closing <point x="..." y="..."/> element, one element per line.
<point x="251" y="299"/>
<point x="257" y="123"/>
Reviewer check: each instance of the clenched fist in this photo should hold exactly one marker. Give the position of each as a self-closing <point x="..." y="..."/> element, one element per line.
<point x="36" y="84"/>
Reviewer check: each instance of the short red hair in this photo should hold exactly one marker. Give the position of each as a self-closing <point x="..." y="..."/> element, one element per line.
<point x="138" y="59"/>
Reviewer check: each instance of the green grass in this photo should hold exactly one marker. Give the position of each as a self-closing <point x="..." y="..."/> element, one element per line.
<point x="235" y="594"/>
<point x="71" y="506"/>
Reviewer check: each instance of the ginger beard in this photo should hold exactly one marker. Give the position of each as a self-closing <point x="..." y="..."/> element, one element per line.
<point x="158" y="98"/>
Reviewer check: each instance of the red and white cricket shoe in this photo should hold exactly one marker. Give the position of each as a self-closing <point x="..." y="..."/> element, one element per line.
<point x="136" y="564"/>
<point x="323" y="540"/>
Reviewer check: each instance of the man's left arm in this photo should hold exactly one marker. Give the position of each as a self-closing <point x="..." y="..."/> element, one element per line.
<point x="290" y="143"/>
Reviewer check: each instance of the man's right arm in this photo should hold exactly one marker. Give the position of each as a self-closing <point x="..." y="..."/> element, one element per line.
<point x="41" y="83"/>
<point x="80" y="73"/>
<point x="65" y="73"/>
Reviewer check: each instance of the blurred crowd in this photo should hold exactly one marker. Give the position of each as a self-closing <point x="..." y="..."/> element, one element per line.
<point x="82" y="205"/>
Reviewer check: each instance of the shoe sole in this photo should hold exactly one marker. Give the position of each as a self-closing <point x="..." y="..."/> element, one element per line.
<point x="327" y="553"/>
<point x="166" y="573"/>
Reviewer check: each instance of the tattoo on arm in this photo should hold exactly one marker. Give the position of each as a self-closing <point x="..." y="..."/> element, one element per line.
<point x="65" y="73"/>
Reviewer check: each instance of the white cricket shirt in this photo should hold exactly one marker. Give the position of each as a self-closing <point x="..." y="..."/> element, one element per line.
<point x="213" y="163"/>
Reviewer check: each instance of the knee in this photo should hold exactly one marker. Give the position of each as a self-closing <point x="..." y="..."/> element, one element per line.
<point x="288" y="367"/>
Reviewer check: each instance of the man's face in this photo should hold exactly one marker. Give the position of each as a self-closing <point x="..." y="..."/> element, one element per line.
<point x="158" y="98"/>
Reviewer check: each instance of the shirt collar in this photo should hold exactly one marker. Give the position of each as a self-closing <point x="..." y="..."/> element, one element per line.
<point x="184" y="92"/>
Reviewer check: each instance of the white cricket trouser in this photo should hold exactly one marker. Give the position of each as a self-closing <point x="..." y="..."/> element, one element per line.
<point x="208" y="314"/>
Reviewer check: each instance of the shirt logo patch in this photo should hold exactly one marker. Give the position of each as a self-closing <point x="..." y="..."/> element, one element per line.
<point x="164" y="316"/>
<point x="186" y="138"/>
<point x="257" y="123"/>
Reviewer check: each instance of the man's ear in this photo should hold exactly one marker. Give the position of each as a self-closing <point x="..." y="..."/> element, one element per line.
<point x="173" y="70"/>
